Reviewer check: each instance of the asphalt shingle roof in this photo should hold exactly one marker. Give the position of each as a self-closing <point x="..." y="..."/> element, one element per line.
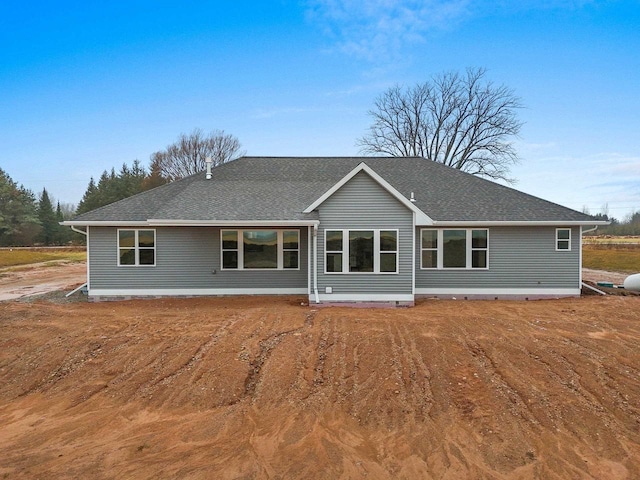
<point x="280" y="188"/>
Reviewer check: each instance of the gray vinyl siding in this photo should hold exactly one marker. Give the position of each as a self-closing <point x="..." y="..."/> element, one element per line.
<point x="519" y="257"/>
<point x="363" y="204"/>
<point x="186" y="258"/>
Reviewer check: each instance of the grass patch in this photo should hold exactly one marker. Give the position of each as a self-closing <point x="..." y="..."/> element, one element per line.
<point x="613" y="258"/>
<point x="26" y="256"/>
<point x="611" y="240"/>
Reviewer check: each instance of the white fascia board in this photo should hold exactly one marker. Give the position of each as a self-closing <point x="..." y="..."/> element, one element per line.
<point x="196" y="223"/>
<point x="232" y="223"/>
<point x="74" y="223"/>
<point x="421" y="217"/>
<point x="522" y="223"/>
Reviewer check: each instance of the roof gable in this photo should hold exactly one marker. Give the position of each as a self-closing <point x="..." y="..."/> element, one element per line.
<point x="421" y="217"/>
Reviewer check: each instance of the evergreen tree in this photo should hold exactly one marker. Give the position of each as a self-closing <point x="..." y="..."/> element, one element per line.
<point x="113" y="186"/>
<point x="155" y="178"/>
<point x="19" y="223"/>
<point x="63" y="234"/>
<point x="89" y="199"/>
<point x="47" y="216"/>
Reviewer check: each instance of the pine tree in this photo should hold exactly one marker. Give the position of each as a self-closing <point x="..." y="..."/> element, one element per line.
<point x="47" y="216"/>
<point x="63" y="234"/>
<point x="155" y="178"/>
<point x="19" y="223"/>
<point x="88" y="201"/>
<point x="113" y="186"/>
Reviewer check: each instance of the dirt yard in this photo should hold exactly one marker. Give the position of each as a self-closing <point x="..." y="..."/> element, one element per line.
<point x="40" y="278"/>
<point x="264" y="388"/>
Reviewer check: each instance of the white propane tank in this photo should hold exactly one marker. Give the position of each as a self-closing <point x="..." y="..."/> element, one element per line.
<point x="632" y="282"/>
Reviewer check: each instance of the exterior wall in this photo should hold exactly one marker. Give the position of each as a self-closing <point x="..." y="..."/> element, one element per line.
<point x="186" y="258"/>
<point x="521" y="259"/>
<point x="363" y="204"/>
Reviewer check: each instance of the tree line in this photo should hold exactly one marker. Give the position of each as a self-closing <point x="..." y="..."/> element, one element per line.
<point x="628" y="226"/>
<point x="25" y="220"/>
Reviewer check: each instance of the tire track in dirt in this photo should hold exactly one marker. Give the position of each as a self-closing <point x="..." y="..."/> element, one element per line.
<point x="478" y="369"/>
<point x="266" y="348"/>
<point x="322" y="347"/>
<point x="162" y="379"/>
<point x="417" y="382"/>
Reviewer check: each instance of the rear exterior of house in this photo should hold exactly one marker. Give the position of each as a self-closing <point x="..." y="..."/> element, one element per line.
<point x="335" y="230"/>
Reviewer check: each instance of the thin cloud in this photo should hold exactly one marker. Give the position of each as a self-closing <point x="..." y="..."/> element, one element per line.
<point x="377" y="30"/>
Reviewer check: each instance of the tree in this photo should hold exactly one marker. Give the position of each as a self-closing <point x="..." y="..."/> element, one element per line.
<point x="461" y="121"/>
<point x="62" y="233"/>
<point x="187" y="155"/>
<point x="113" y="186"/>
<point x="19" y="223"/>
<point x="154" y="178"/>
<point x="47" y="216"/>
<point x="89" y="200"/>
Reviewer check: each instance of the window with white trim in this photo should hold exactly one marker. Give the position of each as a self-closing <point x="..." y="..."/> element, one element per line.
<point x="563" y="239"/>
<point x="333" y="251"/>
<point x="361" y="251"/>
<point x="260" y="249"/>
<point x="455" y="248"/>
<point x="479" y="248"/>
<point x="136" y="247"/>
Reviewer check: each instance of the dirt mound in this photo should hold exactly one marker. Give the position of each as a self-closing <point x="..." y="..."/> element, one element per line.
<point x="266" y="388"/>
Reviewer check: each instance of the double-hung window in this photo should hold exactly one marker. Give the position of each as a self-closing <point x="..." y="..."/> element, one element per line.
<point x="361" y="251"/>
<point x="563" y="239"/>
<point x="260" y="249"/>
<point x="136" y="247"/>
<point x="454" y="248"/>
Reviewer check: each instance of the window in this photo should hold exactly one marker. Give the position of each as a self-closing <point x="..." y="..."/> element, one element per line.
<point x="563" y="239"/>
<point x="136" y="247"/>
<point x="479" y="248"/>
<point x="333" y="249"/>
<point x="429" y="249"/>
<point x="260" y="249"/>
<point x="290" y="248"/>
<point x="229" y="249"/>
<point x="361" y="251"/>
<point x="454" y="248"/>
<point x="388" y="251"/>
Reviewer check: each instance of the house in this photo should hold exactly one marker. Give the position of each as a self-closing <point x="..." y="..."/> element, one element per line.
<point x="336" y="229"/>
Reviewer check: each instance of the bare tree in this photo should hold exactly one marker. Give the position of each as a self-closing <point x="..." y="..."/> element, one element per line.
<point x="461" y="121"/>
<point x="187" y="155"/>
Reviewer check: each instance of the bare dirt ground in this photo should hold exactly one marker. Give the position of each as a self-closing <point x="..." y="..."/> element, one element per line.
<point x="264" y="388"/>
<point x="589" y="275"/>
<point x="37" y="279"/>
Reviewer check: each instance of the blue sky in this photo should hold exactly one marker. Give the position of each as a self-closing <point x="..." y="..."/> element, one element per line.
<point x="86" y="86"/>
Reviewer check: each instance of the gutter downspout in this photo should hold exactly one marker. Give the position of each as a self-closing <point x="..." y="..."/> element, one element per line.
<point x="315" y="263"/>
<point x="79" y="231"/>
<point x="590" y="230"/>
